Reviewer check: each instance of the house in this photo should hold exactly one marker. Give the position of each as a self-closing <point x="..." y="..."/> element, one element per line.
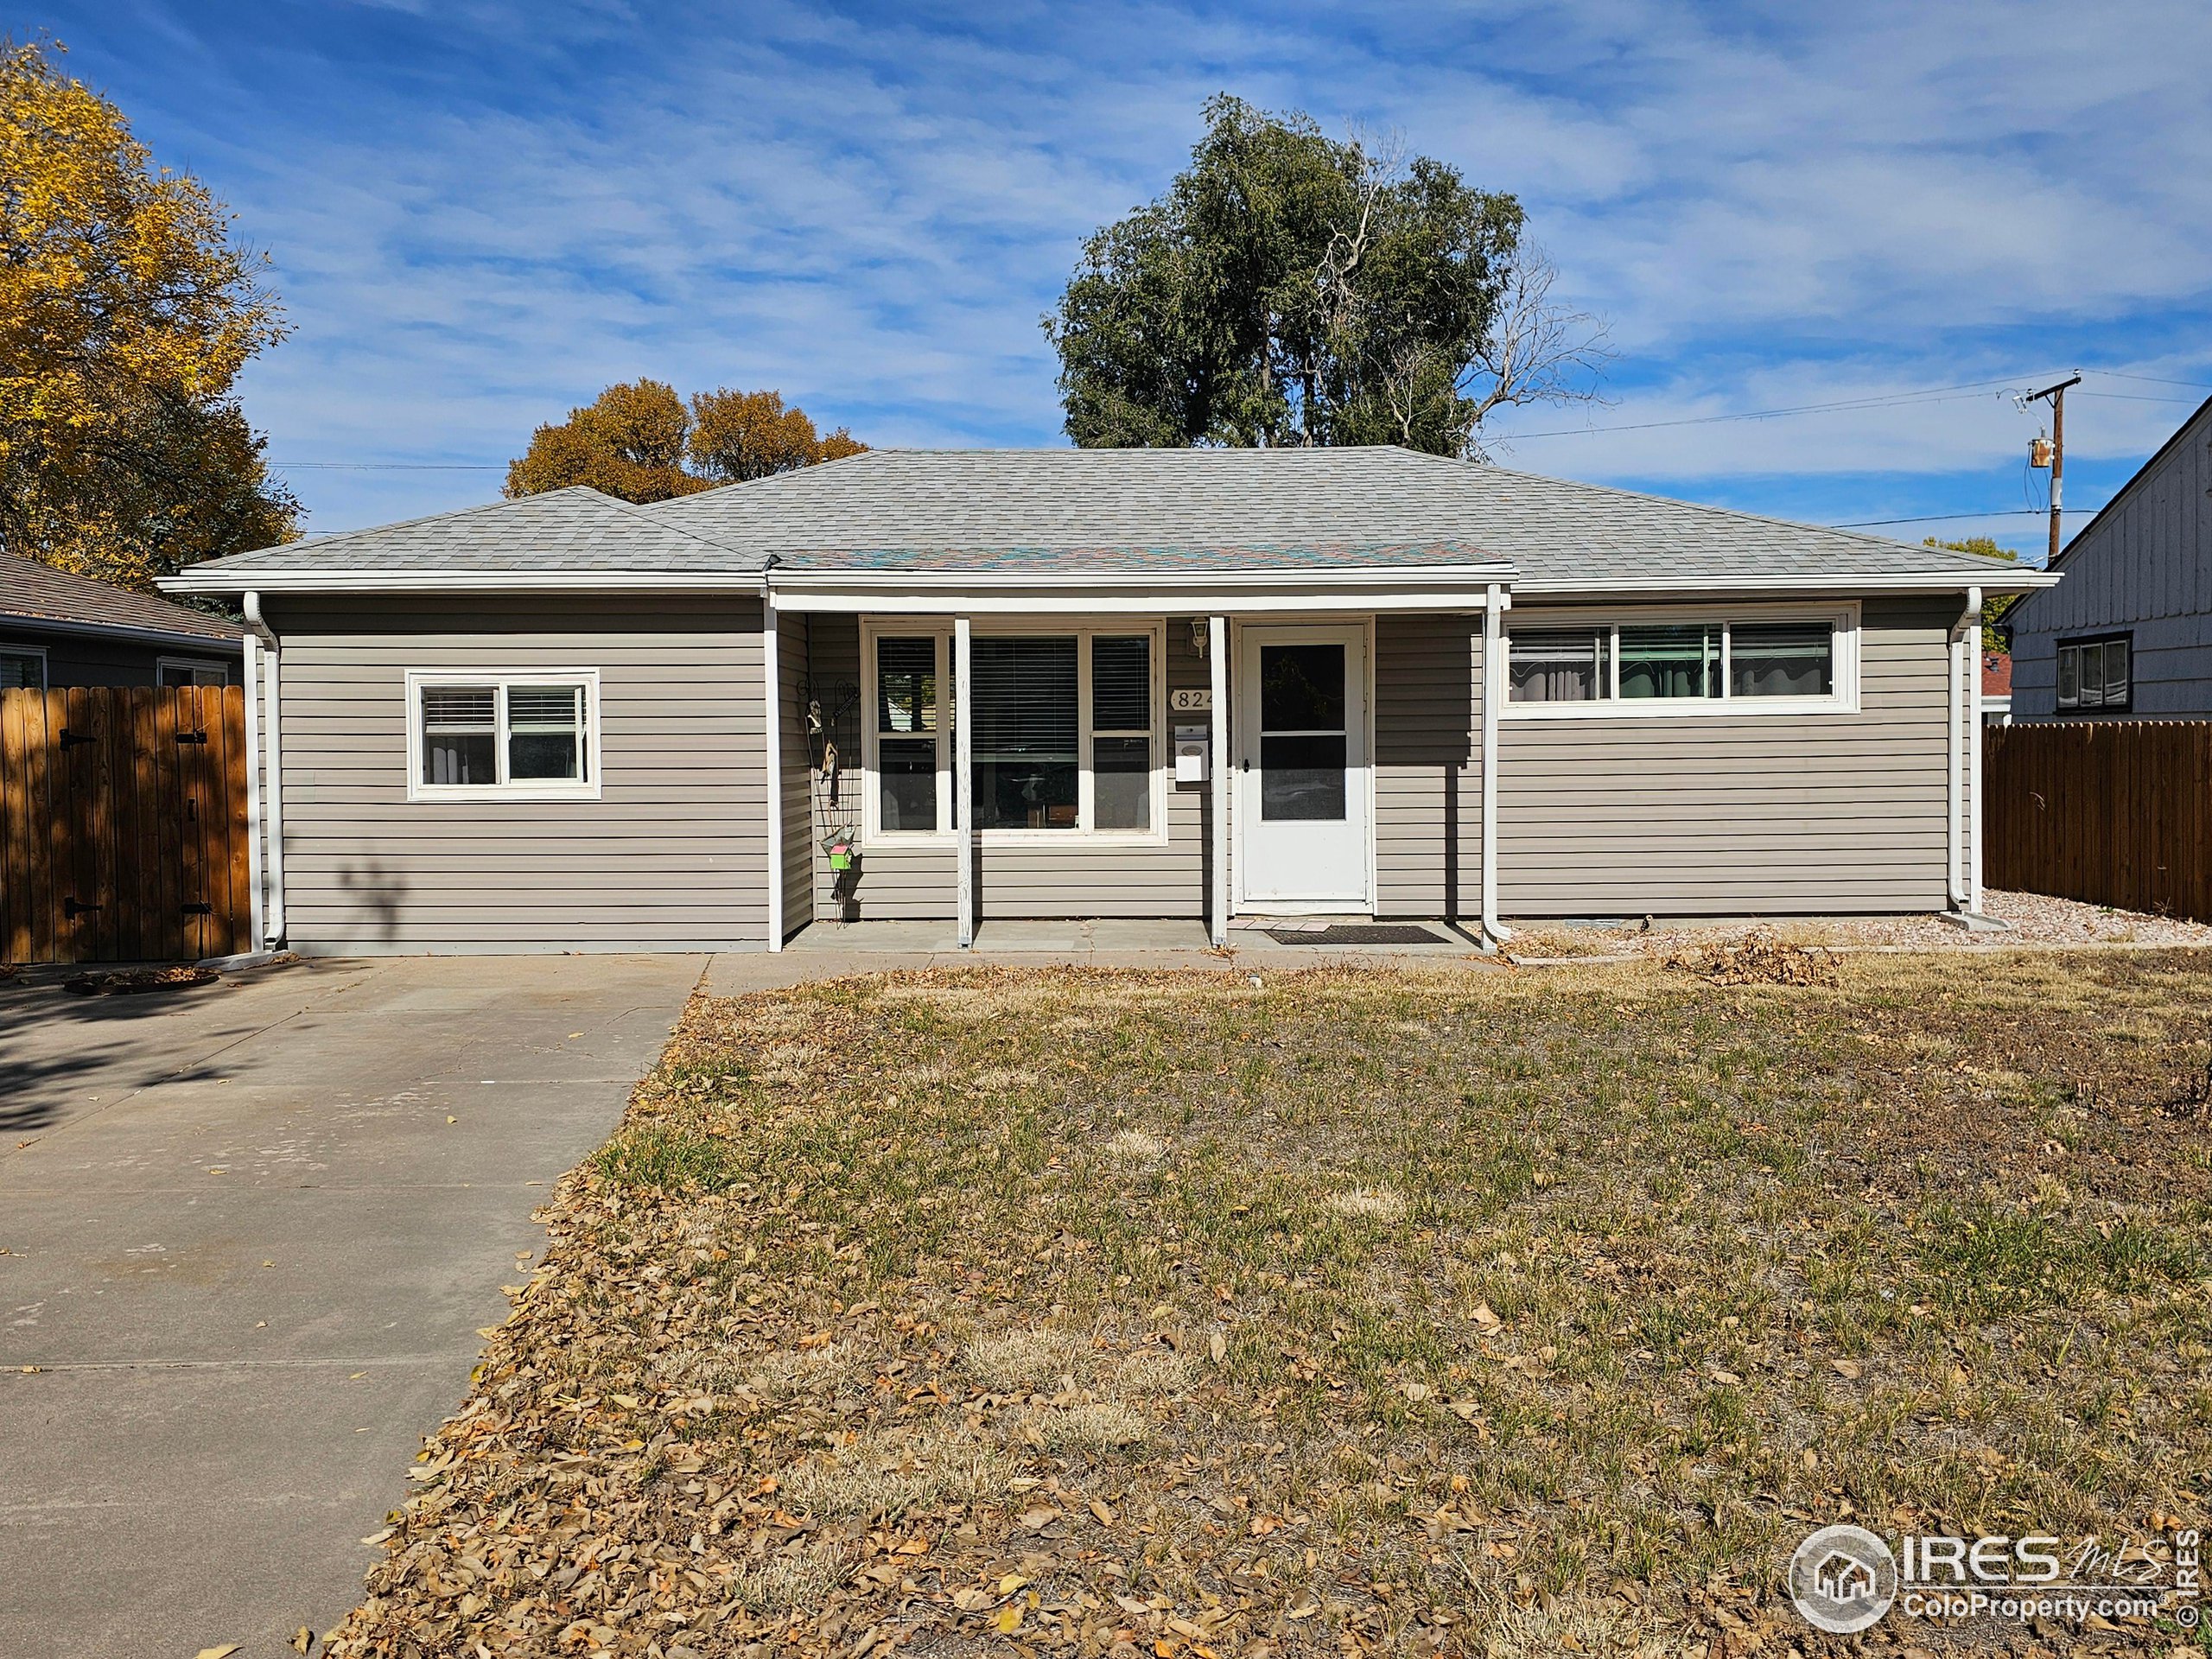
<point x="1997" y="688"/>
<point x="1055" y="683"/>
<point x="2129" y="632"/>
<point x="57" y="629"/>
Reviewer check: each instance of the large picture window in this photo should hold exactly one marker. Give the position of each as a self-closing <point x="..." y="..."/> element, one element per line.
<point x="1683" y="665"/>
<point x="1065" y="738"/>
<point x="2094" y="675"/>
<point x="529" y="735"/>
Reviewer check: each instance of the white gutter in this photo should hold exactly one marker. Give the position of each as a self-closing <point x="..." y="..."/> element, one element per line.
<point x="200" y="581"/>
<point x="1999" y="580"/>
<point x="274" y="938"/>
<point x="1970" y="702"/>
<point x="1218" y="668"/>
<point x="963" y="784"/>
<point x="1963" y="637"/>
<point x="772" y="680"/>
<point x="1495" y="933"/>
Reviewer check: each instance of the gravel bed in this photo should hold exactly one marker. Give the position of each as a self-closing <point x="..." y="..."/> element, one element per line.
<point x="2037" y="920"/>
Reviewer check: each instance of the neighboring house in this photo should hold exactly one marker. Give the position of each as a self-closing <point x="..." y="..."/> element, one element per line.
<point x="2129" y="632"/>
<point x="60" y="630"/>
<point x="1150" y="683"/>
<point x="1997" y="688"/>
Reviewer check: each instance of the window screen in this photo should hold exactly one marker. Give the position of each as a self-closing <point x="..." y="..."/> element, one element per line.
<point x="1121" y="724"/>
<point x="461" y="734"/>
<point x="21" y="671"/>
<point x="906" y="716"/>
<point x="1781" y="660"/>
<point x="545" y="732"/>
<point x="1026" y="740"/>
<point x="1559" y="665"/>
<point x="1671" y="662"/>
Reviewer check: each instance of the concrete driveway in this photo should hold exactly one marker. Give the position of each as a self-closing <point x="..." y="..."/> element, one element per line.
<point x="248" y="1233"/>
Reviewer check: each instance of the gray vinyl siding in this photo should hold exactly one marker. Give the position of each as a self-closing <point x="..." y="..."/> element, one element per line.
<point x="1428" y="771"/>
<point x="797" y="774"/>
<point x="899" y="882"/>
<point x="2144" y="567"/>
<point x="1767" y="814"/>
<point x="673" y="856"/>
<point x="103" y="660"/>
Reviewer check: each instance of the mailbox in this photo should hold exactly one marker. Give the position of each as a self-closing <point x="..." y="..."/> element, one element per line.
<point x="1193" y="753"/>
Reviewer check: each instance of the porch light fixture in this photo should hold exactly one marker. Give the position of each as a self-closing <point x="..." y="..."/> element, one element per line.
<point x="1199" y="635"/>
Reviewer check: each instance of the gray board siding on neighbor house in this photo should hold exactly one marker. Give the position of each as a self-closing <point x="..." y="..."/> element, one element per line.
<point x="896" y="881"/>
<point x="104" y="659"/>
<point x="1766" y="814"/>
<point x="673" y="854"/>
<point x="2143" y="566"/>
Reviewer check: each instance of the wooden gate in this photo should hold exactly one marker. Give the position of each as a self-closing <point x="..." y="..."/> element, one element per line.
<point x="123" y="824"/>
<point x="2118" y="812"/>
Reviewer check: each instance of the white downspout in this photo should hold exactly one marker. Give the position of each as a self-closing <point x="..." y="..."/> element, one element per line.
<point x="1955" y="756"/>
<point x="256" y="903"/>
<point x="1495" y="600"/>
<point x="964" y="783"/>
<point x="772" y="675"/>
<point x="1217" y="667"/>
<point x="275" y="919"/>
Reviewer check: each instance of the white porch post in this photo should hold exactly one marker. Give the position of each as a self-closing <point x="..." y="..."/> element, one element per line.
<point x="255" y="939"/>
<point x="963" y="784"/>
<point x="1973" y="752"/>
<point x="772" y="675"/>
<point x="1217" y="663"/>
<point x="1494" y="601"/>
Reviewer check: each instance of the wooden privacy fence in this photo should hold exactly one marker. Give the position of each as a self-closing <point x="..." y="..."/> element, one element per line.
<point x="2117" y="812"/>
<point x="123" y="824"/>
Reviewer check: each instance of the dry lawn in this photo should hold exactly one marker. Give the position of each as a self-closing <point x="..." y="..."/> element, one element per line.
<point x="1468" y="1312"/>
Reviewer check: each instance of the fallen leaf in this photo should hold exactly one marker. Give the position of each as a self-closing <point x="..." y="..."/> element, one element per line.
<point x="302" y="1639"/>
<point x="1008" y="1620"/>
<point x="1850" y="1368"/>
<point x="1217" y="1345"/>
<point x="1484" y="1317"/>
<point x="1727" y="1379"/>
<point x="1105" y="1515"/>
<point x="223" y="1652"/>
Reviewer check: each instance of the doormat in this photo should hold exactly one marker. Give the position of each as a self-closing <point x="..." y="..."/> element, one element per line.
<point x="1356" y="933"/>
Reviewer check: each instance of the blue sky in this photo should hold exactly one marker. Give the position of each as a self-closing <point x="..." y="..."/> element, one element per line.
<point x="480" y="211"/>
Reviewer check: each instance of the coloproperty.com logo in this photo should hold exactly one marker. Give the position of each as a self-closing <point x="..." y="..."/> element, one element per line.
<point x="1844" y="1579"/>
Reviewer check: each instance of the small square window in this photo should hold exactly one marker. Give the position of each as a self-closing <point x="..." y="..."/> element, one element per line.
<point x="528" y="737"/>
<point x="2095" y="676"/>
<point x="22" y="671"/>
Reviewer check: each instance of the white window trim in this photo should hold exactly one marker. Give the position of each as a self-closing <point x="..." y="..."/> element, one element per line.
<point x="1083" y="629"/>
<point x="193" y="664"/>
<point x="533" y="789"/>
<point x="1843" y="700"/>
<point x="36" y="652"/>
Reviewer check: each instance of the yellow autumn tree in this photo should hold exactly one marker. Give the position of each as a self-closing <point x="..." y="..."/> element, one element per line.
<point x="126" y="313"/>
<point x="638" y="442"/>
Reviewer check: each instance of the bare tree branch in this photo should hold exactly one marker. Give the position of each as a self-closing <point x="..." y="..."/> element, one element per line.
<point x="1537" y="351"/>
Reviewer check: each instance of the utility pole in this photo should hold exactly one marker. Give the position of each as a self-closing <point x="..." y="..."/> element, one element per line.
<point x="2056" y="395"/>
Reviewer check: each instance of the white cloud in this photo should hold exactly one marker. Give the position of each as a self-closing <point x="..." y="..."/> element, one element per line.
<point x="482" y="214"/>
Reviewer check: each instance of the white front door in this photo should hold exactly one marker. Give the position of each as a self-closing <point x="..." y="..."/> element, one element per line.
<point x="1302" y="770"/>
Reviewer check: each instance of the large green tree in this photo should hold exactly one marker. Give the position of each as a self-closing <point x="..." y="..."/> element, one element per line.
<point x="640" y="441"/>
<point x="126" y="313"/>
<point x="1292" y="288"/>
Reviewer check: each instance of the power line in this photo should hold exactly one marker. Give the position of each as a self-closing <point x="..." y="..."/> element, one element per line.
<point x="1927" y="394"/>
<point x="2154" y="379"/>
<point x="1947" y="517"/>
<point x="387" y="466"/>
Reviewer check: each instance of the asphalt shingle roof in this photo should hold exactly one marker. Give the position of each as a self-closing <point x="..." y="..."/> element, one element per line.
<point x="1165" y="510"/>
<point x="34" y="593"/>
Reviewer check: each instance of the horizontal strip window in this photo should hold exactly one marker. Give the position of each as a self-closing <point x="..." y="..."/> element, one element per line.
<point x="473" y="735"/>
<point x="2096" y="676"/>
<point x="1683" y="665"/>
<point x="1066" y="732"/>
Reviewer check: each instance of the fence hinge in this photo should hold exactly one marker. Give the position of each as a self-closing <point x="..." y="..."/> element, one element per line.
<point x="199" y="909"/>
<point x="71" y="910"/>
<point x="192" y="737"/>
<point x="70" y="739"/>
